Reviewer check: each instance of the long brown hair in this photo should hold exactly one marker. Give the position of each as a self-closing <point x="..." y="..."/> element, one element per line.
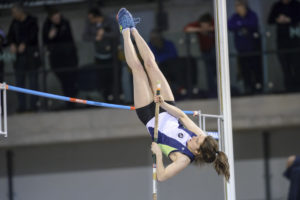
<point x="209" y="153"/>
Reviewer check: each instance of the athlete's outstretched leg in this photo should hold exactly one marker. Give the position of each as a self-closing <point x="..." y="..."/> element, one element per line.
<point x="152" y="69"/>
<point x="142" y="91"/>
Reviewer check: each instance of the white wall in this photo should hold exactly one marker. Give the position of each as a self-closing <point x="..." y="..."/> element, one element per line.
<point x="112" y="184"/>
<point x="135" y="183"/>
<point x="3" y="180"/>
<point x="121" y="169"/>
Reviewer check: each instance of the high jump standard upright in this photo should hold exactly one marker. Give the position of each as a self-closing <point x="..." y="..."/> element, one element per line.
<point x="220" y="16"/>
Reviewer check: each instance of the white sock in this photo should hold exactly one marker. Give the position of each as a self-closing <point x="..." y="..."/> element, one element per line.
<point x="124" y="29"/>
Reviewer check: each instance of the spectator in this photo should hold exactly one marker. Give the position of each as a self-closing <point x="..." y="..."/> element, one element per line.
<point x="104" y="32"/>
<point x="292" y="173"/>
<point x="204" y="28"/>
<point x="2" y="44"/>
<point x="244" y="25"/>
<point x="23" y="41"/>
<point x="165" y="54"/>
<point x="58" y="38"/>
<point x="285" y="15"/>
<point x="162" y="49"/>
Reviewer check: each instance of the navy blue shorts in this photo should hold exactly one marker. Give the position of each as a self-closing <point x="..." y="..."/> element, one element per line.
<point x="146" y="113"/>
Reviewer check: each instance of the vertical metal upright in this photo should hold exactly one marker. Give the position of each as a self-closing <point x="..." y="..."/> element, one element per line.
<point x="220" y="17"/>
<point x="266" y="152"/>
<point x="10" y="174"/>
<point x="3" y="110"/>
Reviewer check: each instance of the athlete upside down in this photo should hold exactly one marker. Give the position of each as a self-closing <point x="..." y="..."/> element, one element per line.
<point x="179" y="137"/>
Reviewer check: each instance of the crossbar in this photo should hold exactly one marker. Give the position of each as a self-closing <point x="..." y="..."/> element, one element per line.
<point x="70" y="99"/>
<point x="3" y="115"/>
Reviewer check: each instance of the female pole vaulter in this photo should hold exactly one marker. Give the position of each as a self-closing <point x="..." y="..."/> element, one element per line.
<point x="179" y="138"/>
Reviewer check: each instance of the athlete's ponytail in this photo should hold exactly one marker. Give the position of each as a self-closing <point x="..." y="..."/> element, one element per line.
<point x="221" y="165"/>
<point x="209" y="153"/>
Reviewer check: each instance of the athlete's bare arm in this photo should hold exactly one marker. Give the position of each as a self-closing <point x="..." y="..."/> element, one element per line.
<point x="164" y="173"/>
<point x="178" y="113"/>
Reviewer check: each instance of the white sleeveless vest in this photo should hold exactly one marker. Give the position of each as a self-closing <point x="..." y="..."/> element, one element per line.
<point x="172" y="136"/>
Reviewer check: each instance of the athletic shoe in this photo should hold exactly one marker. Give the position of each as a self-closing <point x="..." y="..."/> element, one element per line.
<point x="126" y="20"/>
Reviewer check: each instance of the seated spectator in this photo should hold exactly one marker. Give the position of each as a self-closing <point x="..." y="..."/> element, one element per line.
<point x="244" y="25"/>
<point x="292" y="173"/>
<point x="23" y="40"/>
<point x="103" y="31"/>
<point x="285" y="15"/>
<point x="162" y="48"/>
<point x="204" y="28"/>
<point x="58" y="39"/>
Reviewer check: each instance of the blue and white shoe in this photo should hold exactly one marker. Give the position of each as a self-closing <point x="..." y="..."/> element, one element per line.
<point x="126" y="20"/>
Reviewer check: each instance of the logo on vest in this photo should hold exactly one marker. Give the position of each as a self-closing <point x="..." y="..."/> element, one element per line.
<point x="180" y="135"/>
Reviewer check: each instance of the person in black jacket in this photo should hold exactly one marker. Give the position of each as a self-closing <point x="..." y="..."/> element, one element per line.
<point x="292" y="173"/>
<point x="244" y="25"/>
<point x="2" y="45"/>
<point x="23" y="40"/>
<point x="58" y="39"/>
<point x="285" y="14"/>
<point x="103" y="31"/>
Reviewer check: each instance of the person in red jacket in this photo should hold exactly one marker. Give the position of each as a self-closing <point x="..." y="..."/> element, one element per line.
<point x="204" y="28"/>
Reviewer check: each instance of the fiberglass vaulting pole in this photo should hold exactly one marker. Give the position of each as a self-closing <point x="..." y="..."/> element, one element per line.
<point x="154" y="175"/>
<point x="224" y="91"/>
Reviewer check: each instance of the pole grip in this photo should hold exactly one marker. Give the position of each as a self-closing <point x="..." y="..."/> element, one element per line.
<point x="154" y="196"/>
<point x="156" y="113"/>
